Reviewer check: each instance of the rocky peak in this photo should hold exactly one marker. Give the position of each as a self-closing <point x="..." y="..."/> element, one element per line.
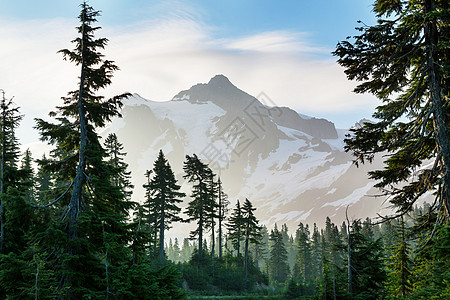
<point x="220" y="91"/>
<point x="221" y="81"/>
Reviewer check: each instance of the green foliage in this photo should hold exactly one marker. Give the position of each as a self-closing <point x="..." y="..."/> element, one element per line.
<point x="400" y="263"/>
<point x="203" y="203"/>
<point x="405" y="55"/>
<point x="146" y="283"/>
<point x="367" y="264"/>
<point x="235" y="226"/>
<point x="278" y="264"/>
<point x="225" y="278"/>
<point x="302" y="268"/>
<point x="431" y="270"/>
<point x="121" y="177"/>
<point x="161" y="203"/>
<point x="292" y="290"/>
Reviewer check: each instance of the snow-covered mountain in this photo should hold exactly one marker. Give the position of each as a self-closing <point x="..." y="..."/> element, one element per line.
<point x="292" y="167"/>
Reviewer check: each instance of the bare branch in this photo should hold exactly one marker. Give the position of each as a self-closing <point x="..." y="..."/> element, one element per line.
<point x="54" y="201"/>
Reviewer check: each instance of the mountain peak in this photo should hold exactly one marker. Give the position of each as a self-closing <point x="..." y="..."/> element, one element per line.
<point x="220" y="81"/>
<point x="220" y="91"/>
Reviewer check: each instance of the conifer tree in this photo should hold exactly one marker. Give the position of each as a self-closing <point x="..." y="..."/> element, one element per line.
<point x="251" y="230"/>
<point x="404" y="61"/>
<point x="199" y="207"/>
<point x="212" y="211"/>
<point x="139" y="241"/>
<point x="302" y="268"/>
<point x="368" y="271"/>
<point x="115" y="159"/>
<point x="235" y="227"/>
<point x="335" y="247"/>
<point x="260" y="249"/>
<point x="223" y="209"/>
<point x="400" y="262"/>
<point x="43" y="181"/>
<point x="15" y="215"/>
<point x="176" y="251"/>
<point x="186" y="250"/>
<point x="9" y="121"/>
<point x="94" y="210"/>
<point x="431" y="270"/>
<point x="316" y="255"/>
<point x="150" y="216"/>
<point x="28" y="181"/>
<point x="278" y="264"/>
<point x="163" y="192"/>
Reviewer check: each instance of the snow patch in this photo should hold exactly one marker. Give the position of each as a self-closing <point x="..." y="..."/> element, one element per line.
<point x="331" y="191"/>
<point x="353" y="197"/>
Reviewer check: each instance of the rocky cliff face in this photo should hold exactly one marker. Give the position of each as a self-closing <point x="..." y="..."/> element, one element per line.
<point x="293" y="168"/>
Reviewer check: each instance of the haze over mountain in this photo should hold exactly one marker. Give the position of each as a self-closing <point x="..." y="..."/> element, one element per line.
<point x="292" y="167"/>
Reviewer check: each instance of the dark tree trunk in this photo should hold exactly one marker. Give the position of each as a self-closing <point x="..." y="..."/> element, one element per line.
<point x="2" y="171"/>
<point x="80" y="177"/>
<point x="349" y="249"/>
<point x="440" y="118"/>
<point x="213" y="242"/>
<point x="161" y="235"/>
<point x="246" y="254"/>
<point x="200" y="235"/>
<point x="220" y="221"/>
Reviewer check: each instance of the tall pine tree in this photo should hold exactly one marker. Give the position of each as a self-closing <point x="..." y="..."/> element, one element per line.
<point x="235" y="226"/>
<point x="163" y="191"/>
<point x="278" y="260"/>
<point x="95" y="211"/>
<point x="9" y="121"/>
<point x="251" y="230"/>
<point x="199" y="207"/>
<point x="400" y="262"/>
<point x="223" y="209"/>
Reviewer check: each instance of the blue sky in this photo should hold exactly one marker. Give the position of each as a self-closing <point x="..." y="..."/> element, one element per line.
<point x="281" y="48"/>
<point x="328" y="21"/>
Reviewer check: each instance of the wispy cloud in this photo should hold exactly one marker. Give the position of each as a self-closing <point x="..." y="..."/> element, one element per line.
<point x="162" y="57"/>
<point x="276" y="42"/>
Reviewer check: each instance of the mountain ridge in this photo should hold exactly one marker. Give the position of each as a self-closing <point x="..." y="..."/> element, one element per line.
<point x="260" y="152"/>
<point x="226" y="95"/>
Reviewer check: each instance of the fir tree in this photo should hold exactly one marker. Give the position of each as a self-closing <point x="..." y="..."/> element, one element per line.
<point x="43" y="181"/>
<point x="400" y="262"/>
<point x="212" y="210"/>
<point x="163" y="193"/>
<point x="95" y="211"/>
<point x="431" y="269"/>
<point x="279" y="268"/>
<point x="199" y="207"/>
<point x="406" y="56"/>
<point x="150" y="218"/>
<point x="303" y="265"/>
<point x="368" y="271"/>
<point x="9" y="121"/>
<point x="115" y="158"/>
<point x="235" y="226"/>
<point x="16" y="216"/>
<point x="251" y="230"/>
<point x="335" y="247"/>
<point x="316" y="255"/>
<point x="223" y="209"/>
<point x="28" y="181"/>
<point x="186" y="250"/>
<point x="260" y="249"/>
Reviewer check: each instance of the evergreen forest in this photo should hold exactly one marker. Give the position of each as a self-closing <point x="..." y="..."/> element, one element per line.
<point x="69" y="228"/>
